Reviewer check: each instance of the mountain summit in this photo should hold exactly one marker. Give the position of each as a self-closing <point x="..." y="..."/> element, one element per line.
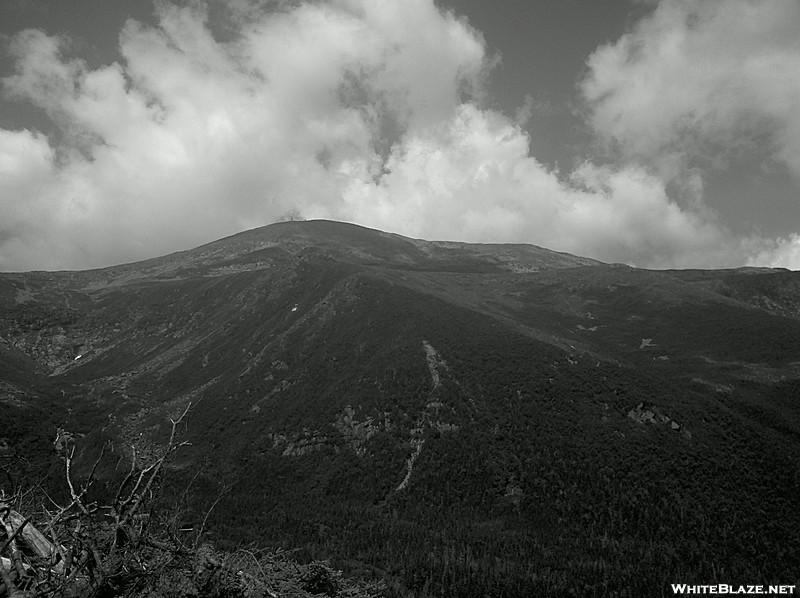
<point x="456" y="418"/>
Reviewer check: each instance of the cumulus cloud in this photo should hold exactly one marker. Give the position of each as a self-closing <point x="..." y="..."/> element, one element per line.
<point x="369" y="111"/>
<point x="704" y="85"/>
<point x="717" y="80"/>
<point x="778" y="253"/>
<point x="472" y="177"/>
<point x="190" y="138"/>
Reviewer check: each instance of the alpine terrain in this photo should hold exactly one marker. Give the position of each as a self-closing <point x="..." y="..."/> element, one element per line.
<point x="454" y="419"/>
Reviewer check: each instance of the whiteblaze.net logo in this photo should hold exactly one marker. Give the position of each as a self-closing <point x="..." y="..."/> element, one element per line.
<point x="723" y="589"/>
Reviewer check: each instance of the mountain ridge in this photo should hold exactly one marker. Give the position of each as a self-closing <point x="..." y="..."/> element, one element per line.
<point x="389" y="402"/>
<point x="349" y="241"/>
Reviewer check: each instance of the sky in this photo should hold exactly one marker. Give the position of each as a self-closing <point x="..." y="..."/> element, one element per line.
<point x="656" y="133"/>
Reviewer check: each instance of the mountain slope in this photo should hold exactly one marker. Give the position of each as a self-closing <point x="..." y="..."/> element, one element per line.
<point x="458" y="418"/>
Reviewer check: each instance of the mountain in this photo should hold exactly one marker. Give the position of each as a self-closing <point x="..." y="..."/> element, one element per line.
<point x="459" y="419"/>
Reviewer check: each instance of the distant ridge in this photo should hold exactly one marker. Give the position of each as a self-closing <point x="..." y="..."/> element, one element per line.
<point x="361" y="244"/>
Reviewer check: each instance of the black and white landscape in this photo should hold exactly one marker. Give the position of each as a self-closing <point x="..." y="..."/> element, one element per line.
<point x="399" y="298"/>
<point x="454" y="419"/>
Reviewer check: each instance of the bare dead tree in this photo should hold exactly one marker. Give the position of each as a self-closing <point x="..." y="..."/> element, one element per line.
<point x="121" y="547"/>
<point x="85" y="548"/>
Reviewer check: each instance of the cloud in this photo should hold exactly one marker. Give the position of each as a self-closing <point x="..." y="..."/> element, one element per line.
<point x="370" y="111"/>
<point x="190" y="138"/>
<point x="779" y="253"/>
<point x="716" y="81"/>
<point x="26" y="163"/>
<point x="471" y="177"/>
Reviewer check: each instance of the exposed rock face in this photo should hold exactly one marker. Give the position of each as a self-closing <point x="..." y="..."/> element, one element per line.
<point x="301" y="444"/>
<point x="357" y="433"/>
<point x="652" y="415"/>
<point x="647" y="416"/>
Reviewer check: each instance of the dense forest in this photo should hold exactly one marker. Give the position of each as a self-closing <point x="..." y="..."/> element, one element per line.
<point x="471" y="430"/>
<point x="539" y="484"/>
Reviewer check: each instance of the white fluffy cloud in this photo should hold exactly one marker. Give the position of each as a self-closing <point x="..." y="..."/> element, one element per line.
<point x="778" y="253"/>
<point x="714" y="79"/>
<point x="471" y="177"/>
<point x="712" y="82"/>
<point x="363" y="110"/>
